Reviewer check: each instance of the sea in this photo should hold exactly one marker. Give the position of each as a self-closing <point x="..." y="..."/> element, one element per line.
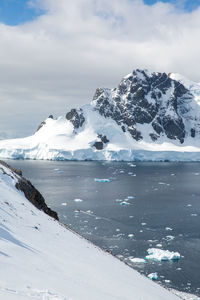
<point x="127" y="208"/>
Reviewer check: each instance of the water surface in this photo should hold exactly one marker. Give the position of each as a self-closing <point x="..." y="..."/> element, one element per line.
<point x="144" y="205"/>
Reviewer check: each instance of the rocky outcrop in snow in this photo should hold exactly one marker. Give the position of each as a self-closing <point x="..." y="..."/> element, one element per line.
<point x="30" y="192"/>
<point x="147" y="98"/>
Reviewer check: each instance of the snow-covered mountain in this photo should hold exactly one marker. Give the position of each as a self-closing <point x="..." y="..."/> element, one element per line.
<point x="42" y="259"/>
<point x="149" y="116"/>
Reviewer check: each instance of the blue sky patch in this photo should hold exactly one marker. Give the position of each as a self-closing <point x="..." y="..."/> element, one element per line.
<point x="15" y="12"/>
<point x="188" y="5"/>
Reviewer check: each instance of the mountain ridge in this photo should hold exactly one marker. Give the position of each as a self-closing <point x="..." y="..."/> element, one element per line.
<point x="146" y="117"/>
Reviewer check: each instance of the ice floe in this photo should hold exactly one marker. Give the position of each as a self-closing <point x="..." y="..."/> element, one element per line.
<point x="168" y="228"/>
<point x="123" y="203"/>
<point x="153" y="276"/>
<point x="102" y="180"/>
<point x="78" y="200"/>
<point x="162" y="255"/>
<point x="137" y="260"/>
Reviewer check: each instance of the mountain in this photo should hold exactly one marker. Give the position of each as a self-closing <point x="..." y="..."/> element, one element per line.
<point x="149" y="116"/>
<point x="42" y="259"/>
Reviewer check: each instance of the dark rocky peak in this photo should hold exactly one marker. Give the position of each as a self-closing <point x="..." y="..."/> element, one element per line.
<point x="143" y="97"/>
<point x="76" y="117"/>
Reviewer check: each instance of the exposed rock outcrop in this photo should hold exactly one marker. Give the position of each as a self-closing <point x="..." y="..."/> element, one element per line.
<point x="76" y="117"/>
<point x="30" y="192"/>
<point x="147" y="98"/>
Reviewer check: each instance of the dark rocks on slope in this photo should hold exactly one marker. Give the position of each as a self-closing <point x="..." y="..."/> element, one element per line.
<point x="103" y="138"/>
<point x="43" y="123"/>
<point x="30" y="192"/>
<point x="99" y="145"/>
<point x="76" y="117"/>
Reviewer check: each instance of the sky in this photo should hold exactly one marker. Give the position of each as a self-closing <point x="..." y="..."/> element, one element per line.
<point x="54" y="54"/>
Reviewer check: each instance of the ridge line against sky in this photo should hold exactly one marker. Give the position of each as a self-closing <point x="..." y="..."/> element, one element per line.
<point x="61" y="51"/>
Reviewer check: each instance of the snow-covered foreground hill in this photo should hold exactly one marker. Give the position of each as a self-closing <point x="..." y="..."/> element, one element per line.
<point x="149" y="116"/>
<point x="41" y="259"/>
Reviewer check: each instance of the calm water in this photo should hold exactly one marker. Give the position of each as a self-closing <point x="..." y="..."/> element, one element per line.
<point x="165" y="210"/>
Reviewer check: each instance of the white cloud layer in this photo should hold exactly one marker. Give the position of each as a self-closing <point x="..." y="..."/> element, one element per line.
<point x="57" y="61"/>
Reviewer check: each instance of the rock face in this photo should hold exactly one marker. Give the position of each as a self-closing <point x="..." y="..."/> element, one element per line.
<point x="75" y="116"/>
<point x="156" y="100"/>
<point x="147" y="98"/>
<point x="30" y="192"/>
<point x="101" y="142"/>
<point x="148" y="116"/>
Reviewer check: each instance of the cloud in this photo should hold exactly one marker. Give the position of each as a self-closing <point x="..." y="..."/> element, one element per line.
<point x="58" y="60"/>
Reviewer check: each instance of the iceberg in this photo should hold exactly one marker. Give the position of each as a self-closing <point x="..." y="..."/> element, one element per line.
<point x="162" y="255"/>
<point x="153" y="276"/>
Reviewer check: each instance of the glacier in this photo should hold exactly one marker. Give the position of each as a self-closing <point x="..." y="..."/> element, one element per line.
<point x="148" y="117"/>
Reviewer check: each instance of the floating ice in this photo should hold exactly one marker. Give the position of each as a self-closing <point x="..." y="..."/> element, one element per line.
<point x="118" y="200"/>
<point x="102" y="180"/>
<point x="170" y="237"/>
<point x="137" y="260"/>
<point x="130" y="235"/>
<point x="153" y="276"/>
<point x="78" y="200"/>
<point x="124" y="203"/>
<point x="167" y="281"/>
<point x="162" y="255"/>
<point x="130" y="197"/>
<point x="64" y="204"/>
<point x="168" y="229"/>
<point x="143" y="224"/>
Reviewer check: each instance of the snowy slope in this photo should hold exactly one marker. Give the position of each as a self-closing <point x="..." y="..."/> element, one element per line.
<point x="149" y="116"/>
<point x="41" y="259"/>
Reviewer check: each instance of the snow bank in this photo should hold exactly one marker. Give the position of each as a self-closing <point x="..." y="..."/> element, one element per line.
<point x="41" y="259"/>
